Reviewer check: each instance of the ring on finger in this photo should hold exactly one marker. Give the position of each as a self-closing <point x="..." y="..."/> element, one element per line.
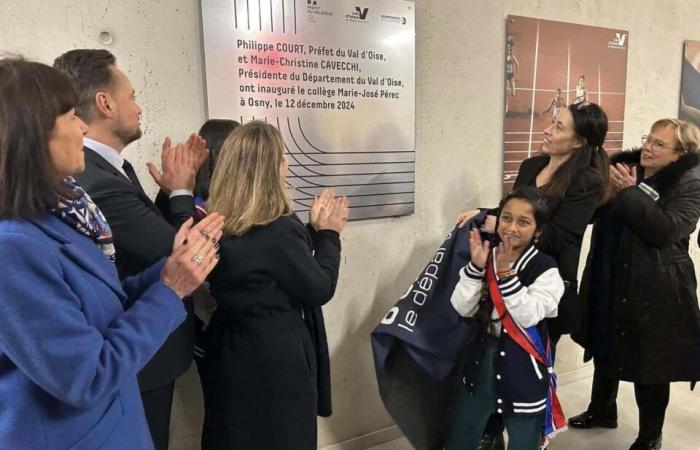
<point x="197" y="259"/>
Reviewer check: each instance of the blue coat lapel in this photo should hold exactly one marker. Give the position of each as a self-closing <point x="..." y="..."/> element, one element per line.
<point x="82" y="251"/>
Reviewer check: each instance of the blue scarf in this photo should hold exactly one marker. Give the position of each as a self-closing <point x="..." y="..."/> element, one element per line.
<point x="78" y="211"/>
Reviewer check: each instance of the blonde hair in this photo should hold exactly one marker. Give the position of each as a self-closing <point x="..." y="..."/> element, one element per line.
<point x="687" y="134"/>
<point x="247" y="187"/>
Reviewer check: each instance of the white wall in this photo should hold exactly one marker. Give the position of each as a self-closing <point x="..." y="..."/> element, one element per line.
<point x="459" y="92"/>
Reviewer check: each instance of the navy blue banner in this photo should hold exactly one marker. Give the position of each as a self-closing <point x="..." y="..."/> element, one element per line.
<point x="417" y="346"/>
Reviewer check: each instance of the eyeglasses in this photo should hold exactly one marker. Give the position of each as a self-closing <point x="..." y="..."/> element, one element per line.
<point x="655" y="145"/>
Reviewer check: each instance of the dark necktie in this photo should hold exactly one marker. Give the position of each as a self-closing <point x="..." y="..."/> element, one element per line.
<point x="131" y="174"/>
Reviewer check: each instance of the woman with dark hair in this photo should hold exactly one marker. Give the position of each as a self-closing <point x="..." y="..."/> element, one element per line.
<point x="215" y="132"/>
<point x="642" y="318"/>
<point x="72" y="336"/>
<point x="572" y="175"/>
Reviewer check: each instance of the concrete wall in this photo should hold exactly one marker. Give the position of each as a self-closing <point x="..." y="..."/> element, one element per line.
<point x="459" y="92"/>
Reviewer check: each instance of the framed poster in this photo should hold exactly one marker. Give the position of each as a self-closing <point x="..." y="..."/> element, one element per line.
<point x="690" y="84"/>
<point x="548" y="66"/>
<point x="337" y="78"/>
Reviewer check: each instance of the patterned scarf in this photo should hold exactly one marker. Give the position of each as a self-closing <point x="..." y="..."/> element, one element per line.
<point x="80" y="213"/>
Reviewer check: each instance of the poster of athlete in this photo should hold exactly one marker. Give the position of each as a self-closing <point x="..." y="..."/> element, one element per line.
<point x="550" y="65"/>
<point x="690" y="85"/>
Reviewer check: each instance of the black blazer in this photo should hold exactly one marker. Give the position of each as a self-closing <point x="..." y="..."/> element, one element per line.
<point x="142" y="236"/>
<point x="562" y="236"/>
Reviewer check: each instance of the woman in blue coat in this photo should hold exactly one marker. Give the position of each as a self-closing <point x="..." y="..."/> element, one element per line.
<point x="72" y="337"/>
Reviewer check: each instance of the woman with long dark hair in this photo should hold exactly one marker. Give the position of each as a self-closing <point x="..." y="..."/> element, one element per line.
<point x="572" y="175"/>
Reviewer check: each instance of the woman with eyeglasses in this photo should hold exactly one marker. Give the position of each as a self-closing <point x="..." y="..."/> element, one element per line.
<point x="639" y="288"/>
<point x="572" y="174"/>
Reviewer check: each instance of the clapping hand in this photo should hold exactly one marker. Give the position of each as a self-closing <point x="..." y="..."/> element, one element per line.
<point x="334" y="216"/>
<point x="179" y="164"/>
<point x="198" y="151"/>
<point x="621" y="176"/>
<point x="320" y="203"/>
<point x="194" y="255"/>
<point x="479" y="250"/>
<point x="210" y="226"/>
<point x="505" y="255"/>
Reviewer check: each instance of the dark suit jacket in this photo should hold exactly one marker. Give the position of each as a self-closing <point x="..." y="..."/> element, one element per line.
<point x="142" y="236"/>
<point x="563" y="234"/>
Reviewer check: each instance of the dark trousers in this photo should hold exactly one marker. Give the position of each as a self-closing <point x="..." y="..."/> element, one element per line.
<point x="474" y="411"/>
<point x="604" y="390"/>
<point x="157" y="405"/>
<point x="652" y="400"/>
<point x="495" y="424"/>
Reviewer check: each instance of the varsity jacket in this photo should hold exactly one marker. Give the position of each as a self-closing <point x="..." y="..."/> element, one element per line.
<point x="531" y="293"/>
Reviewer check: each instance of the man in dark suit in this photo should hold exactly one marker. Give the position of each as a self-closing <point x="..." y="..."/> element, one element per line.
<point x="143" y="232"/>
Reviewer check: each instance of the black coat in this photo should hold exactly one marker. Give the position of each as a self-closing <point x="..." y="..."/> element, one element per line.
<point x="265" y="372"/>
<point x="650" y="306"/>
<point x="562" y="236"/>
<point x="142" y="236"/>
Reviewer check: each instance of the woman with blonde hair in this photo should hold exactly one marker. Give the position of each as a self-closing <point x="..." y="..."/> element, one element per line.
<point x="266" y="370"/>
<point x="639" y="288"/>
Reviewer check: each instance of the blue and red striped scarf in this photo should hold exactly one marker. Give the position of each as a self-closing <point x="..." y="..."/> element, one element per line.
<point x="529" y="339"/>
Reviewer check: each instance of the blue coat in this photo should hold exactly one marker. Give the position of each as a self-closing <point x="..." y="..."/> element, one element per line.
<point x="72" y="339"/>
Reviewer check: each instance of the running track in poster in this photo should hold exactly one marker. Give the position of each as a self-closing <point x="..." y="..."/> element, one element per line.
<point x="552" y="55"/>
